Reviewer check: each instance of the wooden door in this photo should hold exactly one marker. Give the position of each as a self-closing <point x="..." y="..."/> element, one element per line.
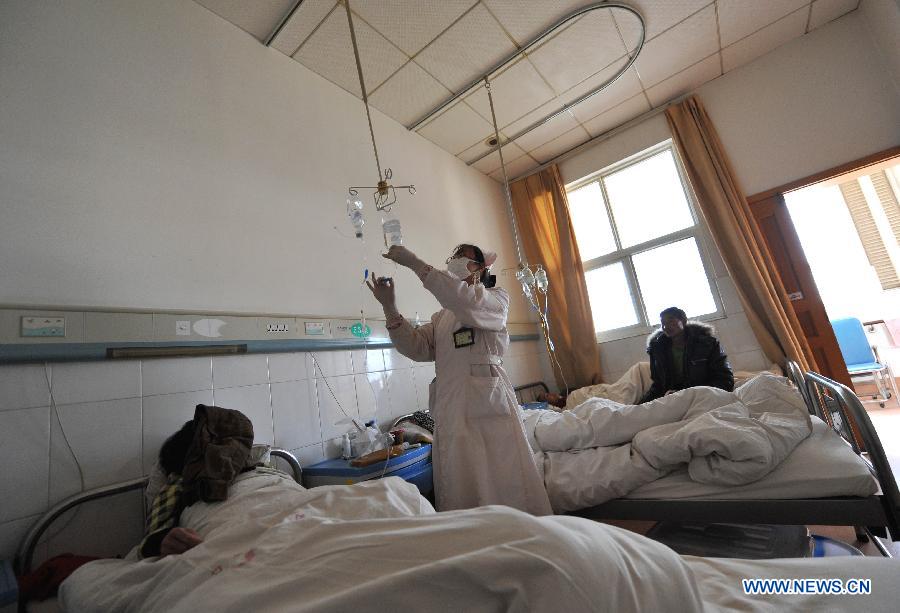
<point x="781" y="238"/>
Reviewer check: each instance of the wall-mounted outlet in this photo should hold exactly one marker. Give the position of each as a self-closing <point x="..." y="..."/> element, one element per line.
<point x="44" y="326"/>
<point x="277" y="328"/>
<point x="314" y="328"/>
<point x="182" y="328"/>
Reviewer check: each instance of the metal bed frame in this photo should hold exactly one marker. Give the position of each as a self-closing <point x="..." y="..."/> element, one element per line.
<point x="872" y="516"/>
<point x="25" y="553"/>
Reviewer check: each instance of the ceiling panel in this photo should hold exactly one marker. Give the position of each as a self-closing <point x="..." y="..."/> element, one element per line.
<point x="516" y="92"/>
<point x="490" y="163"/>
<point x="686" y="81"/>
<point x="740" y="18"/>
<point x="473" y="45"/>
<point x="680" y="47"/>
<point x="458" y="129"/>
<point x="408" y="94"/>
<point x="329" y="52"/>
<point x="515" y="168"/>
<point x="582" y="50"/>
<point x="560" y="145"/>
<point x="618" y="115"/>
<point x="259" y="18"/>
<point x="824" y="11"/>
<point x="305" y="19"/>
<point x="524" y="23"/>
<point x="658" y="15"/>
<point x="759" y="43"/>
<point x="557" y="126"/>
<point x="411" y="24"/>
<point x="622" y="89"/>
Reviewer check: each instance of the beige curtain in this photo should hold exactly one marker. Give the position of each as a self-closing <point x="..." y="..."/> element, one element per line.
<point x="549" y="239"/>
<point x="737" y="235"/>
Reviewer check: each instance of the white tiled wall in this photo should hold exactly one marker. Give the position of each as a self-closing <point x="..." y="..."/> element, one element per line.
<point x="113" y="416"/>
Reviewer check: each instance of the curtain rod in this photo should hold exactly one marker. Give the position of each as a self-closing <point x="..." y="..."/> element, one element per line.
<point x="605" y="136"/>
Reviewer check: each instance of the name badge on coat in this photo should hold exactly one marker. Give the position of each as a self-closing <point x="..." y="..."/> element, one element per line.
<point x="463" y="337"/>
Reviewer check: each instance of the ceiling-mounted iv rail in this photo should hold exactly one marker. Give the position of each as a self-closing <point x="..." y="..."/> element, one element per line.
<point x="632" y="56"/>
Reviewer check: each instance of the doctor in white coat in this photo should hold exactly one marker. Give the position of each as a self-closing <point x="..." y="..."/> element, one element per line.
<point x="480" y="453"/>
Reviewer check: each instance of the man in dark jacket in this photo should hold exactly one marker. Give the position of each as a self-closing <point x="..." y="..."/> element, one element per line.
<point x="684" y="355"/>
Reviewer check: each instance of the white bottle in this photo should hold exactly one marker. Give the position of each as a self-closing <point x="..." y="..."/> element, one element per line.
<point x="354" y="211"/>
<point x="393" y="234"/>
<point x="346" y="452"/>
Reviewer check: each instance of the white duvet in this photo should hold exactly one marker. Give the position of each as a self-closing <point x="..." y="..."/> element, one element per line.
<point x="379" y="546"/>
<point x="602" y="449"/>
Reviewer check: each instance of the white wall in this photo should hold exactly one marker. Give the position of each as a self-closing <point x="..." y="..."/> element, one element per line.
<point x="153" y="155"/>
<point x="817" y="102"/>
<point x="882" y="19"/>
<point x="809" y="105"/>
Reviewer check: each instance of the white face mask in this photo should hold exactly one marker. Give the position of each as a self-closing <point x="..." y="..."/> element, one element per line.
<point x="459" y="268"/>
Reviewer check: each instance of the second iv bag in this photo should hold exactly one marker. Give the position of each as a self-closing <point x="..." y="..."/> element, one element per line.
<point x="392" y="232"/>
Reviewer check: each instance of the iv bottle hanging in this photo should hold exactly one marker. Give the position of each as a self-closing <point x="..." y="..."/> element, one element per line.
<point x="354" y="211"/>
<point x="393" y="234"/>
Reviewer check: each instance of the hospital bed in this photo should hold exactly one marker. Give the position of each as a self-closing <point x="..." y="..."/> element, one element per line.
<point x="717" y="581"/>
<point x="827" y="479"/>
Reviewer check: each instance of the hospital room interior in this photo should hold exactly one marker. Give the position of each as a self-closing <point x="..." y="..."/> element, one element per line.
<point x="336" y="305"/>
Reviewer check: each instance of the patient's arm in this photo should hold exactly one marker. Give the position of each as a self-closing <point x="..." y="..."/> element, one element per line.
<point x="179" y="540"/>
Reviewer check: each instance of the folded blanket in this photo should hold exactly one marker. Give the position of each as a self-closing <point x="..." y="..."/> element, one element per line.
<point x="728" y="438"/>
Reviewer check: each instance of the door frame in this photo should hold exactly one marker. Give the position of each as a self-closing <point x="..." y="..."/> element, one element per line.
<point x="825" y="175"/>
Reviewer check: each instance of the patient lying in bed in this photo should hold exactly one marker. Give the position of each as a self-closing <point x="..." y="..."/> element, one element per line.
<point x="602" y="449"/>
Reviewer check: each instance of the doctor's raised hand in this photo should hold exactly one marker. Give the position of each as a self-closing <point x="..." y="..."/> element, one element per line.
<point x="404" y="257"/>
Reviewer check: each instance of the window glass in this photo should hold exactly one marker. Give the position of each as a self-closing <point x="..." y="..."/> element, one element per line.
<point x="647" y="200"/>
<point x="610" y="296"/>
<point x="593" y="232"/>
<point x="673" y="275"/>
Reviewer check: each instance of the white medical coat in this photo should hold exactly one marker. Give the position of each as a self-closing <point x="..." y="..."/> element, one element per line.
<point x="480" y="452"/>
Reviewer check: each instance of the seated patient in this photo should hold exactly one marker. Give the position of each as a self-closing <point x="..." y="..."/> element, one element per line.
<point x="685" y="354"/>
<point x="200" y="461"/>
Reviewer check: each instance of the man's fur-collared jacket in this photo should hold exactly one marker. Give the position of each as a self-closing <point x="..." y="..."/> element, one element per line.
<point x="705" y="363"/>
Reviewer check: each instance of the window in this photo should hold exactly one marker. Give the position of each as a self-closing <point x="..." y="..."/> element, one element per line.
<point x="638" y="237"/>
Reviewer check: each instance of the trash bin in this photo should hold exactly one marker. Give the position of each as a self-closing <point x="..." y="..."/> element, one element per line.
<point x="747" y="541"/>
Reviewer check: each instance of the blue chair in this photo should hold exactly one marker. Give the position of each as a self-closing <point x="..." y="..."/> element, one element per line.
<point x="862" y="359"/>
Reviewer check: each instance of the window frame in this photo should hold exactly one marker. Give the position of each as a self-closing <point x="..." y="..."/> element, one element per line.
<point x="697" y="231"/>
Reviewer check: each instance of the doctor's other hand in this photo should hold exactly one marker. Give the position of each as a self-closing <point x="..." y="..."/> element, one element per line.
<point x="179" y="540"/>
<point x="383" y="290"/>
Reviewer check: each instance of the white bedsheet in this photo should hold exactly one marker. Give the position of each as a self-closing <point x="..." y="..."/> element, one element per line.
<point x="602" y="450"/>
<point x="377" y="546"/>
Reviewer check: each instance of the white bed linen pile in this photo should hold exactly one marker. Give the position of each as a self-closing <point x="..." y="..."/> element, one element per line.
<point x="379" y="546"/>
<point x="602" y="449"/>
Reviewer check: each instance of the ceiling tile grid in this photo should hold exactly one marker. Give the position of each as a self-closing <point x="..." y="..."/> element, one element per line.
<point x="740" y="18"/>
<point x="415" y="53"/>
<point x="411" y="24"/>
<point x="259" y="18"/>
<point x="457" y="130"/>
<point x="824" y="11"/>
<point x="475" y="44"/>
<point x="617" y="115"/>
<point x="408" y="91"/>
<point x="329" y="53"/>
<point x="564" y="65"/>
<point x="302" y="23"/>
<point x="762" y="41"/>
